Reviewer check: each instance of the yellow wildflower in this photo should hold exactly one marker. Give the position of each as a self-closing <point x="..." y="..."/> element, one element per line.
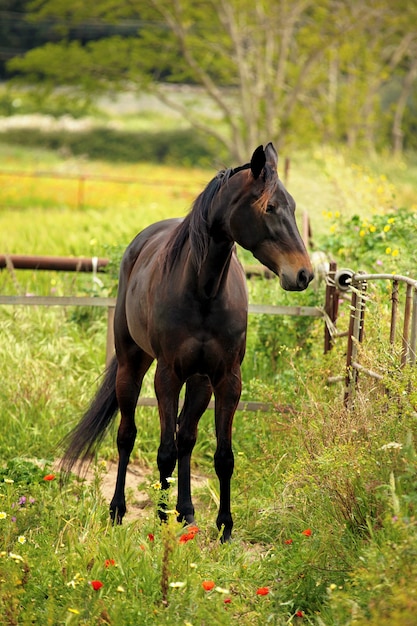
<point x="395" y="252"/>
<point x="387" y="227"/>
<point x="388" y="250"/>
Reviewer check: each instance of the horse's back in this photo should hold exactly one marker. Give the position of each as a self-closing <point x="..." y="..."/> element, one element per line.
<point x="151" y="239"/>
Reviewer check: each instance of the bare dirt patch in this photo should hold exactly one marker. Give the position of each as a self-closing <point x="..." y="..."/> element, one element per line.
<point x="138" y="501"/>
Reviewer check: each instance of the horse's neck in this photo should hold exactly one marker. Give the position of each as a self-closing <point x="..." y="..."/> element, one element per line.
<point x="215" y="267"/>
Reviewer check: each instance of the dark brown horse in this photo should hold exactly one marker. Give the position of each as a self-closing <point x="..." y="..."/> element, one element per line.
<point x="183" y="301"/>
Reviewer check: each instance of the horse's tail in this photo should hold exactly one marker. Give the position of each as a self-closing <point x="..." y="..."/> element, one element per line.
<point x="87" y="435"/>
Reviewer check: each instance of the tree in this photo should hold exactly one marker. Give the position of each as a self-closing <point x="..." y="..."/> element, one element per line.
<point x="271" y="69"/>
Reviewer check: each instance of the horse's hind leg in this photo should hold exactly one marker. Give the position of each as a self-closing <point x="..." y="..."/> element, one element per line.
<point x="132" y="367"/>
<point x="197" y="396"/>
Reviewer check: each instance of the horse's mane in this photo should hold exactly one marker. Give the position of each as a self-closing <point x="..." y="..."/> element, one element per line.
<point x="194" y="226"/>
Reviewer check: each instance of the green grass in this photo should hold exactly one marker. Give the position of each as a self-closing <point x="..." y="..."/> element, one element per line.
<point x="324" y="499"/>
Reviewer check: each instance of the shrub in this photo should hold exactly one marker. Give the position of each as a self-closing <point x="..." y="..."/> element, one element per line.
<point x="384" y="243"/>
<point x="179" y="147"/>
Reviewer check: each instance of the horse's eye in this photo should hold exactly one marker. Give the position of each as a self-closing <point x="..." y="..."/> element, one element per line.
<point x="270" y="208"/>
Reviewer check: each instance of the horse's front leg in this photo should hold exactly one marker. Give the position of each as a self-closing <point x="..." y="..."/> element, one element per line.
<point x="167" y="389"/>
<point x="197" y="396"/>
<point x="227" y="395"/>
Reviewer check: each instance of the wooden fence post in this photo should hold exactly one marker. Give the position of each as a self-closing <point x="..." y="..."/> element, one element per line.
<point x="413" y="337"/>
<point x="406" y="325"/>
<point x="331" y="306"/>
<point x="355" y="337"/>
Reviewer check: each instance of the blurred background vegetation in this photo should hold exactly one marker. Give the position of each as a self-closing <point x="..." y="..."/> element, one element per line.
<point x="233" y="72"/>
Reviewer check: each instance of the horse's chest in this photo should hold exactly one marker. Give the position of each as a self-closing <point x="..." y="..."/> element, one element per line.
<point x="203" y="322"/>
<point x="199" y="340"/>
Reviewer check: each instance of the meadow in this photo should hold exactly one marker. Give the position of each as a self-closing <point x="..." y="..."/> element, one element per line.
<point x="324" y="499"/>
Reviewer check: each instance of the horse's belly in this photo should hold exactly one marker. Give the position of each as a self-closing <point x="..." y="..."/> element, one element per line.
<point x="211" y="358"/>
<point x="137" y="318"/>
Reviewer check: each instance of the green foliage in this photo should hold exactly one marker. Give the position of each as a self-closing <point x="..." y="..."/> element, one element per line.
<point x="22" y="471"/>
<point x="57" y="104"/>
<point x="176" y="147"/>
<point x="380" y="244"/>
<point x="276" y="342"/>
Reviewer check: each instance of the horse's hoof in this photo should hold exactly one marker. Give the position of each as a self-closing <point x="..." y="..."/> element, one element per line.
<point x="116" y="516"/>
<point x="225" y="528"/>
<point x="186" y="519"/>
<point x="226" y="536"/>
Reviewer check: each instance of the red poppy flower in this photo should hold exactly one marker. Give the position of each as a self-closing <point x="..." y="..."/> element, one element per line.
<point x="208" y="585"/>
<point x="96" y="584"/>
<point x="299" y="614"/>
<point x="307" y="532"/>
<point x="190" y="534"/>
<point x="109" y="562"/>
<point x="262" y="591"/>
<point x="288" y="542"/>
<point x="49" y="477"/>
<point x="151" y="537"/>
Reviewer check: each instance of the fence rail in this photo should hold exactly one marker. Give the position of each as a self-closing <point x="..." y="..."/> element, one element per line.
<point x="52" y="263"/>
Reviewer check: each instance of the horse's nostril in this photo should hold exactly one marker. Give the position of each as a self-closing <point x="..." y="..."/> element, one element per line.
<point x="303" y="278"/>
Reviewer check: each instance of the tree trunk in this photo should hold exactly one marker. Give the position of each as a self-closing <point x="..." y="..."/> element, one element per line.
<point x="397" y="132"/>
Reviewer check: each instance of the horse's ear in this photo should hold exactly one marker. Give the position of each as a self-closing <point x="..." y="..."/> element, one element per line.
<point x="271" y="156"/>
<point x="258" y="161"/>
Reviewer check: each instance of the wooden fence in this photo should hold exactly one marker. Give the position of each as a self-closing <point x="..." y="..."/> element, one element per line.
<point x="338" y="283"/>
<point x="345" y="280"/>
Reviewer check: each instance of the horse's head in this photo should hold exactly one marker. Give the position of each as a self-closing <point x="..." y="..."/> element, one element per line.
<point x="262" y="220"/>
